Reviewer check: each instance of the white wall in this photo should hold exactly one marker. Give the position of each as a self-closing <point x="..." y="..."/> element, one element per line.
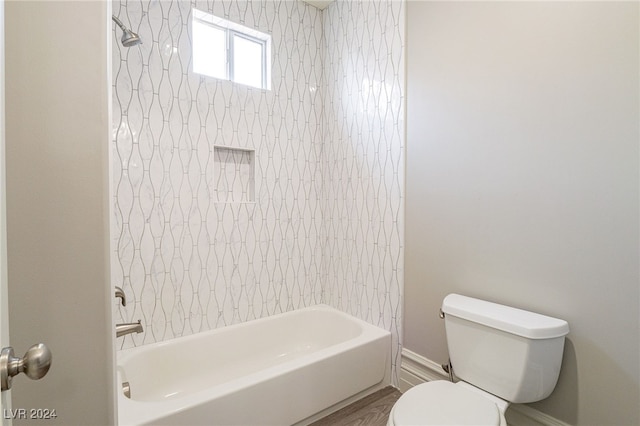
<point x="522" y="182"/>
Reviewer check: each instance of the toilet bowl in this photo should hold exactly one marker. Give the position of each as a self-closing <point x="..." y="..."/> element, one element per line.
<point x="499" y="354"/>
<point x="444" y="403"/>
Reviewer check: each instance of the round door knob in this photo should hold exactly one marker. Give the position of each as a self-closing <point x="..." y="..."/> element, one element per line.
<point x="35" y="364"/>
<point x="36" y="361"/>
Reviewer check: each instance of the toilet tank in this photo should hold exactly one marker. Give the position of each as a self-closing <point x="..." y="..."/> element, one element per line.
<point x="509" y="352"/>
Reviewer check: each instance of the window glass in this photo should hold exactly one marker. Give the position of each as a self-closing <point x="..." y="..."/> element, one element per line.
<point x="209" y="50"/>
<point x="230" y="51"/>
<point x="247" y="61"/>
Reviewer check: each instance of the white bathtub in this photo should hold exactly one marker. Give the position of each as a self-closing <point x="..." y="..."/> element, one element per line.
<point x="278" y="370"/>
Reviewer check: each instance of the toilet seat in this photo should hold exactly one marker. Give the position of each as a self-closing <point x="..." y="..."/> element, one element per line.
<point x="444" y="403"/>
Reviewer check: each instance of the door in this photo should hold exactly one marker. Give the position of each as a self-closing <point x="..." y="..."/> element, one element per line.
<point x="5" y="398"/>
<point x="54" y="268"/>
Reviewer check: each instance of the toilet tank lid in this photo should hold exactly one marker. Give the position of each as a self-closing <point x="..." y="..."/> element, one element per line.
<point x="512" y="320"/>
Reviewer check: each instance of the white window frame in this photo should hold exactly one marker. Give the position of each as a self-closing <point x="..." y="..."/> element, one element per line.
<point x="231" y="30"/>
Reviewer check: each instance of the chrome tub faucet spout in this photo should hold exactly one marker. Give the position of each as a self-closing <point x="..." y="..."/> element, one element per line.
<point x="128" y="328"/>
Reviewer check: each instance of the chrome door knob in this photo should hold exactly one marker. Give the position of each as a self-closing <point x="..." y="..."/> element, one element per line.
<point x="35" y="364"/>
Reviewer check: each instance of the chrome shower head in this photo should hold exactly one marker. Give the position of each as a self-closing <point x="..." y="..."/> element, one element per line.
<point x="129" y="38"/>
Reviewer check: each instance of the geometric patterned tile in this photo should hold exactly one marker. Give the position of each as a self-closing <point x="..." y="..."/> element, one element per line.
<point x="327" y="222"/>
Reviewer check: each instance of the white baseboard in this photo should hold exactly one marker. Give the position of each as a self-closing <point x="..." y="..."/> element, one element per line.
<point x="416" y="369"/>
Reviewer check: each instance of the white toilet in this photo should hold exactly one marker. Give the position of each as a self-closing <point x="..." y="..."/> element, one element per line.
<point x="500" y="354"/>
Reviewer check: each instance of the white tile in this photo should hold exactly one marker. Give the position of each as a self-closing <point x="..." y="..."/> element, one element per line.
<point x="326" y="223"/>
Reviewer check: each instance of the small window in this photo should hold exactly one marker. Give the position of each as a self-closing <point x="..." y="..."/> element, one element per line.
<point x="228" y="51"/>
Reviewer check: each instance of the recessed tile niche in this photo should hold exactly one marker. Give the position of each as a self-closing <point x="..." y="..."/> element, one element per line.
<point x="234" y="175"/>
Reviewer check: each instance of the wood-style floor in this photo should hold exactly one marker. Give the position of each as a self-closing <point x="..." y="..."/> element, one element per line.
<point x="372" y="410"/>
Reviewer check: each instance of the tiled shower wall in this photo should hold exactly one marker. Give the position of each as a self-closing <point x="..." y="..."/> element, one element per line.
<point x="327" y="141"/>
<point x="187" y="260"/>
<point x="363" y="157"/>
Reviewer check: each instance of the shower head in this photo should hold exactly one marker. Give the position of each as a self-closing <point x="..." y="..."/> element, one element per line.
<point x="129" y="38"/>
